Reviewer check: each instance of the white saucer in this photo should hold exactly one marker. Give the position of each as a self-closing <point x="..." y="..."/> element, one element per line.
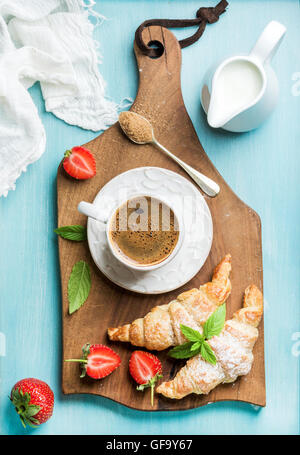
<point x="184" y="197"/>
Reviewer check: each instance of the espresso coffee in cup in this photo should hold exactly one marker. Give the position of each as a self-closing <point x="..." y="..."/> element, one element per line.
<point x="143" y="231"/>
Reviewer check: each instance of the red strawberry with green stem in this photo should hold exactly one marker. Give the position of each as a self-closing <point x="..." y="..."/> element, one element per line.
<point x="79" y="163"/>
<point x="98" y="361"/>
<point x="146" y="369"/>
<point x="33" y="400"/>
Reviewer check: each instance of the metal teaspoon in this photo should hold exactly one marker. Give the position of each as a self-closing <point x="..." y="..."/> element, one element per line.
<point x="207" y="185"/>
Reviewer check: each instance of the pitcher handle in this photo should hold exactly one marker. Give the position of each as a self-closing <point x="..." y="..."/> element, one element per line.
<point x="91" y="211"/>
<point x="267" y="44"/>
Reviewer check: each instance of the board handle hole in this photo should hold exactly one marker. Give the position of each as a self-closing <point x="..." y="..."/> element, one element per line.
<point x="158" y="48"/>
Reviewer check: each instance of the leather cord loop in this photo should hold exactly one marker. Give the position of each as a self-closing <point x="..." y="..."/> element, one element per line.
<point x="208" y="15"/>
<point x="204" y="15"/>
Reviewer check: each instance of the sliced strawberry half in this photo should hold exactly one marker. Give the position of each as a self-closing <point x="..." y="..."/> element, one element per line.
<point x="98" y="361"/>
<point x="146" y="369"/>
<point x="79" y="163"/>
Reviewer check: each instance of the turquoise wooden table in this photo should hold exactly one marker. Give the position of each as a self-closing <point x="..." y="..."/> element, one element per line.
<point x="262" y="167"/>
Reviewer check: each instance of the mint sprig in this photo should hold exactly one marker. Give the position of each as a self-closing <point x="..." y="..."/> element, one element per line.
<point x="76" y="232"/>
<point x="79" y="286"/>
<point x="197" y="343"/>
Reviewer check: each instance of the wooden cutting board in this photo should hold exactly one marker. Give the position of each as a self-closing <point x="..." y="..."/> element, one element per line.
<point x="237" y="230"/>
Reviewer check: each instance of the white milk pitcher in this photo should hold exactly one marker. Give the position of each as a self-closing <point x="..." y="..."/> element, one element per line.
<point x="241" y="92"/>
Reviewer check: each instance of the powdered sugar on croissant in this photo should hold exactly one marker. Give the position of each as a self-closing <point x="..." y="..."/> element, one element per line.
<point x="232" y="348"/>
<point x="160" y="328"/>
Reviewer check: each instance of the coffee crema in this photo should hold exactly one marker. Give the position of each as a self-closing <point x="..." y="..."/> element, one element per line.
<point x="144" y="231"/>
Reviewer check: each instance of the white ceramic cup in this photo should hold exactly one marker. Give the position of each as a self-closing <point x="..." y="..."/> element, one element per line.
<point x="91" y="211"/>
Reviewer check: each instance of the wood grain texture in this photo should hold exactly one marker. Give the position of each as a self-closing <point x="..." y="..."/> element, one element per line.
<point x="237" y="231"/>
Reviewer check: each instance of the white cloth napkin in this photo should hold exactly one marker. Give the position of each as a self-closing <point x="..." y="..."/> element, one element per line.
<point x="48" y="41"/>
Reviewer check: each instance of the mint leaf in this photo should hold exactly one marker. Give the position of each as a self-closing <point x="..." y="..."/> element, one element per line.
<point x="182" y="351"/>
<point x="215" y="323"/>
<point x="76" y="233"/>
<point x="191" y="334"/>
<point x="207" y="353"/>
<point x="79" y="286"/>
<point x="196" y="346"/>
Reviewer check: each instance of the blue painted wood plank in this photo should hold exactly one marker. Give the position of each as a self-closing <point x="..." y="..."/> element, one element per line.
<point x="261" y="166"/>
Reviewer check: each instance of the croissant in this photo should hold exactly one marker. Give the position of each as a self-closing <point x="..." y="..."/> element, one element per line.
<point x="160" y="328"/>
<point x="232" y="349"/>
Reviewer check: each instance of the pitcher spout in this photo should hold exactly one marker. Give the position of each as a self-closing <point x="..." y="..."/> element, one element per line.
<point x="218" y="113"/>
<point x="215" y="116"/>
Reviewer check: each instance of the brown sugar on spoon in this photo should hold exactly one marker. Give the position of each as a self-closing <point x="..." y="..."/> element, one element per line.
<point x="137" y="128"/>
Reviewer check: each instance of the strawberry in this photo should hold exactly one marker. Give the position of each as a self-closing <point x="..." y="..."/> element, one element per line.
<point x="98" y="361"/>
<point x="146" y="369"/>
<point x="79" y="163"/>
<point x="33" y="400"/>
